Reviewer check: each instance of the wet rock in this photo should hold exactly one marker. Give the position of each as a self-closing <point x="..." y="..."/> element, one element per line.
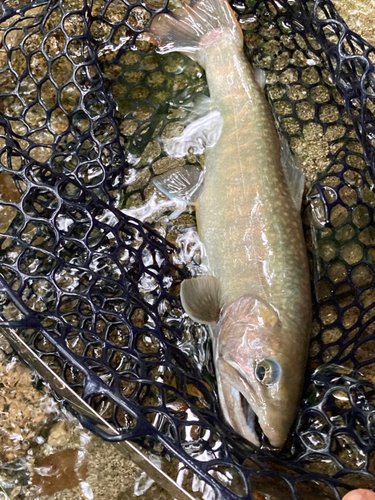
<point x="8" y="188"/>
<point x="7" y="214"/>
<point x="134" y="200"/>
<point x="140" y="181"/>
<point x="165" y="164"/>
<point x="151" y="152"/>
<point x="59" y="435"/>
<point x="4" y="345"/>
<point x="23" y="411"/>
<point x="62" y="470"/>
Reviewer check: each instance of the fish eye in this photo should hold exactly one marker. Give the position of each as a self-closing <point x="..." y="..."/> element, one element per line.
<point x="268" y="372"/>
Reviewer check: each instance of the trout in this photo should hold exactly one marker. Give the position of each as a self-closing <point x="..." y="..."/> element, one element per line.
<point x="248" y="217"/>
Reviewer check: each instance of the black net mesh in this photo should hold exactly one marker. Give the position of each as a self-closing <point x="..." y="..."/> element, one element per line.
<point x="85" y="104"/>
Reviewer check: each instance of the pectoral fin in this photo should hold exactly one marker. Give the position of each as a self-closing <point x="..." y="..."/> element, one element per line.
<point x="201" y="299"/>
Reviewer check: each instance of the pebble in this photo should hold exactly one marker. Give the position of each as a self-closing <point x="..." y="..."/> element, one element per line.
<point x="59" y="435"/>
<point x="4" y="345"/>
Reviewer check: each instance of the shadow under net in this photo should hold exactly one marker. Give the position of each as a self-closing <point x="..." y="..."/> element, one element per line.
<point x="95" y="292"/>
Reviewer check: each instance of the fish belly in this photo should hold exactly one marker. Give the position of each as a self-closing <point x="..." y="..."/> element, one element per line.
<point x="246" y="217"/>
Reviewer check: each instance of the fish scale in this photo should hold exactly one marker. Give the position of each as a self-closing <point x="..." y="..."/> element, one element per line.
<point x="245" y="197"/>
<point x="258" y="298"/>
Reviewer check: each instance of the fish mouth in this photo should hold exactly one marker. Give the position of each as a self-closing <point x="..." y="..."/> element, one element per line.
<point x="242" y="409"/>
<point x="249" y="414"/>
<point x="251" y="417"/>
<point x="238" y="402"/>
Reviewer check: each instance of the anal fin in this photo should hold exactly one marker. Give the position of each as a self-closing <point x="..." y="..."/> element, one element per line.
<point x="201" y="299"/>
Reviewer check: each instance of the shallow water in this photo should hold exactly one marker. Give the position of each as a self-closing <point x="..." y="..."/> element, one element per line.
<point x="35" y="434"/>
<point x="358" y="16"/>
<point x="45" y="453"/>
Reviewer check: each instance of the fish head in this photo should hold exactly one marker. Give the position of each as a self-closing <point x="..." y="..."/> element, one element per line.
<point x="260" y="370"/>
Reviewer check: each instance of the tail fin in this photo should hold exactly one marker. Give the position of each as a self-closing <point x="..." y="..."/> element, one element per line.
<point x="193" y="29"/>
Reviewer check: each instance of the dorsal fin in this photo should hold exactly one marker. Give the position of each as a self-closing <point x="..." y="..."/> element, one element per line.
<point x="201" y="299"/>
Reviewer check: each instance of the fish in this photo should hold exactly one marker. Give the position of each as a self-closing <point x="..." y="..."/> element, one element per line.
<point x="257" y="298"/>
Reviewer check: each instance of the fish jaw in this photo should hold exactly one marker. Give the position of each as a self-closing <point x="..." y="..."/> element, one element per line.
<point x="248" y="335"/>
<point x="243" y="412"/>
<point x="231" y="402"/>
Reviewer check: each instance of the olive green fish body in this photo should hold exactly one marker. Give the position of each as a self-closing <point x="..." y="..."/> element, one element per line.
<point x="258" y="297"/>
<point x="246" y="216"/>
